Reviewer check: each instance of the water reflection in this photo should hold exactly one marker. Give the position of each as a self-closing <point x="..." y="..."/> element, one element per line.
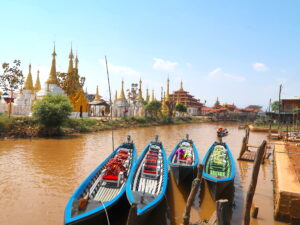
<point x="38" y="176"/>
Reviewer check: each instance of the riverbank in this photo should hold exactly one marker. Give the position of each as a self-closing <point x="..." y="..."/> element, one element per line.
<point x="286" y="182"/>
<point x="25" y="127"/>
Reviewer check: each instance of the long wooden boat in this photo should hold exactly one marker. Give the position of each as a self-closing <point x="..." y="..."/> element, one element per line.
<point x="183" y="160"/>
<point x="103" y="188"/>
<point x="147" y="183"/>
<point x="219" y="168"/>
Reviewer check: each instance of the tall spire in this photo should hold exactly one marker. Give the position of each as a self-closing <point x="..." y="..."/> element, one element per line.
<point x="76" y="62"/>
<point x="116" y="97"/>
<point x="97" y="97"/>
<point x="147" y="95"/>
<point x="28" y="82"/>
<point x="37" y="85"/>
<point x="71" y="56"/>
<point x="164" y="107"/>
<point x="168" y="90"/>
<point x="152" y="97"/>
<point x="122" y="94"/>
<point x="52" y="79"/>
<point x="140" y="95"/>
<point x="178" y="101"/>
<point x="181" y="86"/>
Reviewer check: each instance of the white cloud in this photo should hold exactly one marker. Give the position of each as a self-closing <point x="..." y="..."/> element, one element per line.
<point x="161" y="64"/>
<point x="218" y="73"/>
<point x="260" y="67"/>
<point x="188" y="65"/>
<point x="122" y="70"/>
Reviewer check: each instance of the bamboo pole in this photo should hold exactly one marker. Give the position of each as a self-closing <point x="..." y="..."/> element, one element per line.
<point x="195" y="186"/>
<point x="132" y="216"/>
<point x="222" y="212"/>
<point x="252" y="187"/>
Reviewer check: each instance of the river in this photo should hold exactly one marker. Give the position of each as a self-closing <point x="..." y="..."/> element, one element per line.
<point x="38" y="176"/>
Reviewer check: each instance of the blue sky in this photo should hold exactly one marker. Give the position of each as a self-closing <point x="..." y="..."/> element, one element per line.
<point x="239" y="51"/>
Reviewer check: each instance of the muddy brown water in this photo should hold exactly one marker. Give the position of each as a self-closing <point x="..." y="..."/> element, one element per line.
<point x="38" y="176"/>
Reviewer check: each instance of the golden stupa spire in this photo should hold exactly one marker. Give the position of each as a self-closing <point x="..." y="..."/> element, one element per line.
<point x="28" y="82"/>
<point x="140" y="95"/>
<point x="181" y="86"/>
<point x="71" y="56"/>
<point x="76" y="62"/>
<point x="122" y="94"/>
<point x="21" y="90"/>
<point x="168" y="90"/>
<point x="52" y="79"/>
<point x="97" y="97"/>
<point x="164" y="107"/>
<point x="152" y="97"/>
<point x="116" y="97"/>
<point x="147" y="95"/>
<point x="37" y="85"/>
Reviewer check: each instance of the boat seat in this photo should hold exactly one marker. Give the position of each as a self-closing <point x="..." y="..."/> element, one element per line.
<point x="110" y="177"/>
<point x="151" y="161"/>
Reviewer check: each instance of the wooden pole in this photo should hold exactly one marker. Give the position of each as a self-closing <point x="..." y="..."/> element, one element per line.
<point x="132" y="216"/>
<point x="110" y="103"/>
<point x="245" y="143"/>
<point x="255" y="212"/>
<point x="222" y="212"/>
<point x="195" y="186"/>
<point x="252" y="187"/>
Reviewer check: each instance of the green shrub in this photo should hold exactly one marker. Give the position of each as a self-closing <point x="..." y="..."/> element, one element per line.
<point x="52" y="111"/>
<point x="5" y="122"/>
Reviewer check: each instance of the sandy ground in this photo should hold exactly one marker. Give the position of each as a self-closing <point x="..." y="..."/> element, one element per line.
<point x="295" y="158"/>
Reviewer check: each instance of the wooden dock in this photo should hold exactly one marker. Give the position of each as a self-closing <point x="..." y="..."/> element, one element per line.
<point x="248" y="156"/>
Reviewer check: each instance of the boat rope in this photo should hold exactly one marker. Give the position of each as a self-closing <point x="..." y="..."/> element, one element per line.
<point x="297" y="153"/>
<point x="107" y="218"/>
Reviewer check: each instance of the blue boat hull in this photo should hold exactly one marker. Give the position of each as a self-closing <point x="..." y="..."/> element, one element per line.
<point x="181" y="172"/>
<point x="217" y="186"/>
<point x="92" y="213"/>
<point x="146" y="202"/>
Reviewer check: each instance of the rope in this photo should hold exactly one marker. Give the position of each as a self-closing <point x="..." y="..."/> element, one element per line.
<point x="105" y="212"/>
<point x="297" y="153"/>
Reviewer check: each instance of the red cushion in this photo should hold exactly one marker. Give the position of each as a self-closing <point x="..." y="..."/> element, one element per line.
<point x="150" y="165"/>
<point x="123" y="151"/>
<point x="150" y="171"/>
<point x="110" y="177"/>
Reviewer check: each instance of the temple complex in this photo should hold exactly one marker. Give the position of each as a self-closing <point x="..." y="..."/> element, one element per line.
<point x="182" y="96"/>
<point x="22" y="104"/>
<point x="97" y="106"/>
<point x="72" y="85"/>
<point x="131" y="107"/>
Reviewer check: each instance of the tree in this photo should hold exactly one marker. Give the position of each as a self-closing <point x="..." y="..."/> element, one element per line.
<point x="70" y="82"/>
<point x="275" y="106"/>
<point x="153" y="108"/>
<point x="257" y="107"/>
<point x="52" y="111"/>
<point x="181" y="108"/>
<point x="11" y="79"/>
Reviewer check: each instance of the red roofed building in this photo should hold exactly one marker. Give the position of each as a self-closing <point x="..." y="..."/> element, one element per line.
<point x="181" y="96"/>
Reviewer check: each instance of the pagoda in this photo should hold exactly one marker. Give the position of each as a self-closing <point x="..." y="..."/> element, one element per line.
<point x="181" y="96"/>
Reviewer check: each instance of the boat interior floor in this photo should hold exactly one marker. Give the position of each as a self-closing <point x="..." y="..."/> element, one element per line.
<point x="143" y="199"/>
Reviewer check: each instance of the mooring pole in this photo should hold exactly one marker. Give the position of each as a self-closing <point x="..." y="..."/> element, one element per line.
<point x="222" y="212"/>
<point x="132" y="216"/>
<point x="110" y="103"/>
<point x="252" y="187"/>
<point x="195" y="186"/>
